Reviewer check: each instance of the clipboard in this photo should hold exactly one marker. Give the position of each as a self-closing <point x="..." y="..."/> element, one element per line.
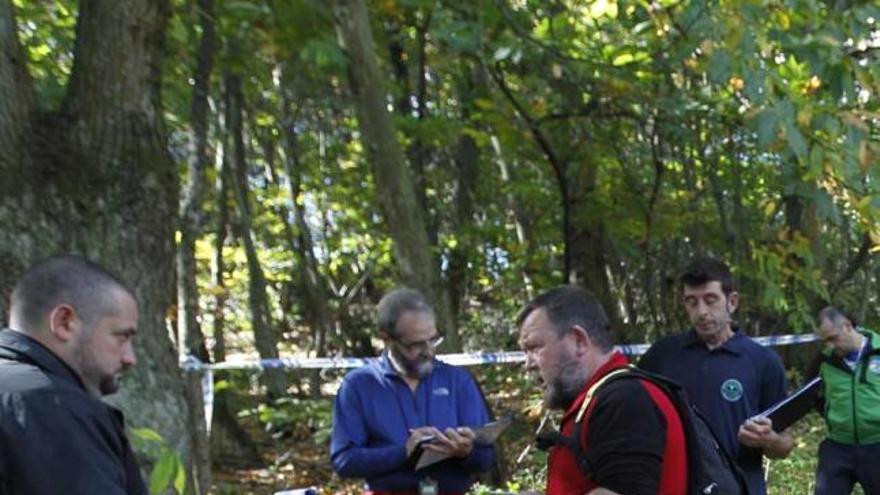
<point x="794" y="407"/>
<point x="484" y="435"/>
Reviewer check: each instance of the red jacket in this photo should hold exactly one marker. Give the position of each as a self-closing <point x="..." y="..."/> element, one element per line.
<point x="631" y="436"/>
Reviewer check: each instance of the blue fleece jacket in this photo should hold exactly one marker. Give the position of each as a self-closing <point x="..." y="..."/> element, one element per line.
<point x="375" y="410"/>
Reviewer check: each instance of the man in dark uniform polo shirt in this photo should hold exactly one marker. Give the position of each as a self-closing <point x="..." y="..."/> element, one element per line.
<point x="728" y="376"/>
<point x="631" y="436"/>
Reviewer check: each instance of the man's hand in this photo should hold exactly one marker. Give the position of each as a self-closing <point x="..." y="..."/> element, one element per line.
<point x="758" y="432"/>
<point x="456" y="442"/>
<point x="418" y="435"/>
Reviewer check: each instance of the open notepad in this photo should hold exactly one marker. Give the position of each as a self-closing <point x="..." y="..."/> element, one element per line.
<point x="485" y="435"/>
<point x="795" y="406"/>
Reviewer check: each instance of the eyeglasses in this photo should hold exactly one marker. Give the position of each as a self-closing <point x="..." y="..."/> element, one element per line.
<point x="431" y="343"/>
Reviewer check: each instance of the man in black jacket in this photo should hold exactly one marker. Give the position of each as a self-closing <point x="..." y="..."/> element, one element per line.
<point x="69" y="339"/>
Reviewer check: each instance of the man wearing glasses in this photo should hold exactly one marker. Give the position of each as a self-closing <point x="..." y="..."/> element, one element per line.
<point x="387" y="412"/>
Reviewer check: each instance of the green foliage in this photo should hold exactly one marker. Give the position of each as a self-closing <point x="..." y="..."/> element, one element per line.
<point x="168" y="471"/>
<point x="46" y="33"/>
<point x="302" y="418"/>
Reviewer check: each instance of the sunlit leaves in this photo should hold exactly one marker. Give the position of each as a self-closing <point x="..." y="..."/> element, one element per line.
<point x="168" y="473"/>
<point x="46" y="30"/>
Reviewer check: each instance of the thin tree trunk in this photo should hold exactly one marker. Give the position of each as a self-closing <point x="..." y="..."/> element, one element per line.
<point x="218" y="267"/>
<point x="265" y="339"/>
<point x="419" y="152"/>
<point x="230" y="444"/>
<point x="467" y="171"/>
<point x="416" y="260"/>
<point x="190" y="339"/>
<point x="588" y="239"/>
<point x="316" y="294"/>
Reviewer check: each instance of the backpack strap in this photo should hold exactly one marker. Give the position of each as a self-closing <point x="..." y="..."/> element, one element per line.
<point x="595" y="387"/>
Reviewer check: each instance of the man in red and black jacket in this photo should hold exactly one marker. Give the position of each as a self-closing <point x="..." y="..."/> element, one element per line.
<point x="631" y="437"/>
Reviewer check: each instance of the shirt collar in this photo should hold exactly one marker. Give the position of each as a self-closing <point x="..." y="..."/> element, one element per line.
<point x="23" y="345"/>
<point x="734" y="344"/>
<point x="385" y="366"/>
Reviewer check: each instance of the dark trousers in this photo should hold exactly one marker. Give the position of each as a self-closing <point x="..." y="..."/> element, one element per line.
<point x="842" y="465"/>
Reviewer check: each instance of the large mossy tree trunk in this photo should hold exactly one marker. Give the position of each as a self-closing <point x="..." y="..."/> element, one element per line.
<point x="94" y="177"/>
<point x="404" y="215"/>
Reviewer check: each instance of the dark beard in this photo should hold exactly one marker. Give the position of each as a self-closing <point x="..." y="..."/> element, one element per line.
<point x="109" y="385"/>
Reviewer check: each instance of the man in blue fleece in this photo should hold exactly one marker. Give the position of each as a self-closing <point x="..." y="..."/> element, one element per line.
<point x="405" y="401"/>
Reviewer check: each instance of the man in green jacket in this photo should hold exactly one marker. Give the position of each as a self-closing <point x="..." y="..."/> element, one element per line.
<point x="850" y="370"/>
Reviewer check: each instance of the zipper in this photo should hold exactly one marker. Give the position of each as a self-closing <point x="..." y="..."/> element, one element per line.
<point x="855" y="409"/>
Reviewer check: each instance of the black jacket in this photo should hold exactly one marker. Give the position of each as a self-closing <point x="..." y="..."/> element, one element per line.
<point x="55" y="438"/>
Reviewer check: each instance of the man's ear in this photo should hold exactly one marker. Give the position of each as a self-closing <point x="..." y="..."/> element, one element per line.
<point x="732" y="301"/>
<point x="64" y="322"/>
<point x="582" y="339"/>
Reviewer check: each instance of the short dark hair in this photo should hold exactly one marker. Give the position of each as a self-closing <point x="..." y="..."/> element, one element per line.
<point x="834" y="314"/>
<point x="64" y="279"/>
<point x="704" y="270"/>
<point x="397" y="302"/>
<point x="569" y="305"/>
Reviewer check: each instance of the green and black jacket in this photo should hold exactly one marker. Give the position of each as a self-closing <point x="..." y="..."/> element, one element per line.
<point x="852" y="396"/>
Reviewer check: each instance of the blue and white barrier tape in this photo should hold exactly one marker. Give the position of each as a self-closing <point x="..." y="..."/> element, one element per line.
<point x="191" y="364"/>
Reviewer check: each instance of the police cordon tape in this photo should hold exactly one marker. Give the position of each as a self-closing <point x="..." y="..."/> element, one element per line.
<point x="191" y="364"/>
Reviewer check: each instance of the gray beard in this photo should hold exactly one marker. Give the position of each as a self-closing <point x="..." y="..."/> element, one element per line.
<point x="412" y="369"/>
<point x="561" y="392"/>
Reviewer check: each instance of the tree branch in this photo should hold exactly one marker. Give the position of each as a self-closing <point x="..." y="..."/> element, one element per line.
<point x="853" y="265"/>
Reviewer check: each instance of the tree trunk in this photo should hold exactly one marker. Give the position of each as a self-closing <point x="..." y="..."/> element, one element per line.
<point x="265" y="339"/>
<point x="230" y="444"/>
<point x="517" y="215"/>
<point x="316" y="294"/>
<point x="190" y="339"/>
<point x="467" y="171"/>
<point x="95" y="178"/>
<point x="419" y="152"/>
<point x="397" y="198"/>
<point x="587" y="239"/>
<point x="218" y="267"/>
